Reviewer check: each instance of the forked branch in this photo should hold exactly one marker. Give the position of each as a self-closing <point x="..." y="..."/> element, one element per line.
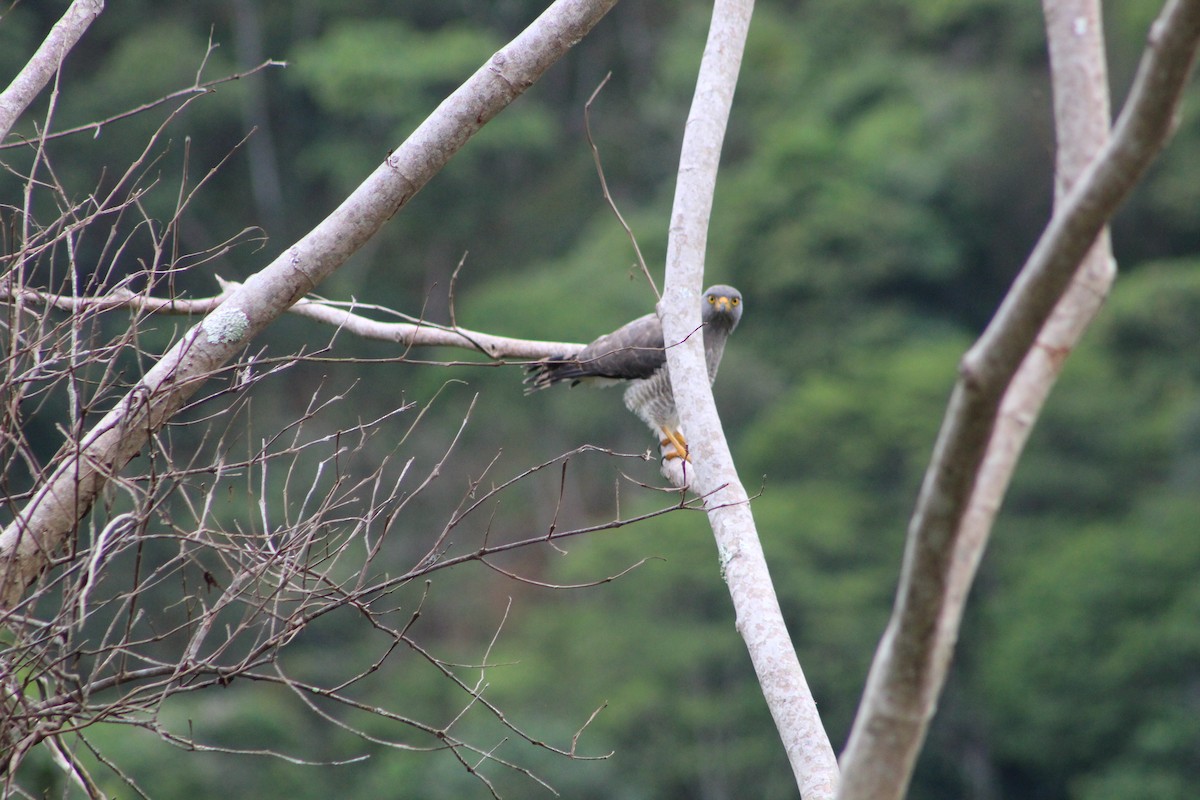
<point x="961" y="490"/>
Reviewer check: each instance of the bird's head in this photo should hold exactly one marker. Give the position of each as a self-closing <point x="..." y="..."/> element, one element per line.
<point x="721" y="306"/>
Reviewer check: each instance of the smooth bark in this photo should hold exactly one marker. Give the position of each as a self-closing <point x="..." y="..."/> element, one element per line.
<point x="46" y="61"/>
<point x="759" y="618"/>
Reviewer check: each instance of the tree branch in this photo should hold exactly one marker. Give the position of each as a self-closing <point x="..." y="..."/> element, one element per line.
<point x="196" y="88"/>
<point x="1007" y="374"/>
<point x="417" y="333"/>
<point x="46" y="61"/>
<point x="759" y="619"/>
<point x="41" y="527"/>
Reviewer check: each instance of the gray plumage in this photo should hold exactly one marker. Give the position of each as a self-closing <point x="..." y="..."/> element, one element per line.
<point x="635" y="353"/>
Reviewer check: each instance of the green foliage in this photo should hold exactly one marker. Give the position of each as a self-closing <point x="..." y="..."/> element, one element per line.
<point x="18" y="37"/>
<point x="383" y="77"/>
<point x="389" y="76"/>
<point x="1093" y="647"/>
<point x="1138" y="394"/>
<point x="356" y="65"/>
<point x="873" y="423"/>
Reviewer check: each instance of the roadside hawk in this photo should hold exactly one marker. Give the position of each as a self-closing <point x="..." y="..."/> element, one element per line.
<point x="635" y="355"/>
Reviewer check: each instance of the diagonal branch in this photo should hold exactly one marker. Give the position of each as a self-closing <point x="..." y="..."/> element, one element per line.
<point x="46" y="61"/>
<point x="759" y="619"/>
<point x="41" y="527"/>
<point x="1001" y="383"/>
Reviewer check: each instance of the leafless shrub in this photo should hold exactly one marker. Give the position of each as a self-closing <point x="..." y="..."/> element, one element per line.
<point x="234" y="534"/>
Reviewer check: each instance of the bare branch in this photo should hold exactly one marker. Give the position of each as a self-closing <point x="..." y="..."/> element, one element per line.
<point x="341" y="315"/>
<point x="759" y="618"/>
<point x="39" y="531"/>
<point x="194" y="89"/>
<point x="244" y="594"/>
<point x="1007" y="374"/>
<point x="46" y="61"/>
<point x="589" y="584"/>
<point x="608" y="198"/>
<point x="429" y="334"/>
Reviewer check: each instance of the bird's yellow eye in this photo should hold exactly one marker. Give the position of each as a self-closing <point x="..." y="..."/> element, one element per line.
<point x="735" y="300"/>
<point x="711" y="300"/>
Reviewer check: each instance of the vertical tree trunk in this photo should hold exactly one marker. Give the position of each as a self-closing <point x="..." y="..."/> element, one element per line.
<point x="759" y="618"/>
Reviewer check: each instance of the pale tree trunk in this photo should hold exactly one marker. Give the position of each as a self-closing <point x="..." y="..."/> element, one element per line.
<point x="759" y="619"/>
<point x="1006" y="376"/>
<point x="42" y="527"/>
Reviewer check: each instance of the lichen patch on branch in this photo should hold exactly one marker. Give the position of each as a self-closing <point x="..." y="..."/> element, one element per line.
<point x="225" y="325"/>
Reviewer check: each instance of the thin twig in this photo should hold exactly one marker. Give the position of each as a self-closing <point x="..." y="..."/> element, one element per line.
<point x="587" y="127"/>
<point x="199" y="88"/>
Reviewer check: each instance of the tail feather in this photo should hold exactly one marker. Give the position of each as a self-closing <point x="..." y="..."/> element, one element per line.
<point x="549" y="371"/>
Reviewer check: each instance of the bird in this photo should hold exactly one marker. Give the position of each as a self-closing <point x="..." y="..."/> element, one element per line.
<point x="635" y="355"/>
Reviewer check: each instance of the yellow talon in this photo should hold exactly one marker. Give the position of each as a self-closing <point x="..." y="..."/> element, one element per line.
<point x="676" y="440"/>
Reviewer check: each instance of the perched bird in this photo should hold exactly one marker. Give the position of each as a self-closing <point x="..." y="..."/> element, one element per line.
<point x="635" y="354"/>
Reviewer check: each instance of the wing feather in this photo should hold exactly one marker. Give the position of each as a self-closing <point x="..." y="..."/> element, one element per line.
<point x="634" y="350"/>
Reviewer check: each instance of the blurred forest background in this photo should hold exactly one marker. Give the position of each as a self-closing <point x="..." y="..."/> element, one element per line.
<point x="888" y="167"/>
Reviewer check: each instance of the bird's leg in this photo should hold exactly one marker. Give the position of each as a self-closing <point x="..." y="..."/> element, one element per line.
<point x="676" y="440"/>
